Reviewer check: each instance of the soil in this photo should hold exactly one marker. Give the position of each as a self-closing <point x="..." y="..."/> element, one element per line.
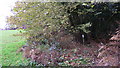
<point x="103" y="53"/>
<point x="100" y="52"/>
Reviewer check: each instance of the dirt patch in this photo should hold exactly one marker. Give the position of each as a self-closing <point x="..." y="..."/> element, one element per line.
<point x="101" y="53"/>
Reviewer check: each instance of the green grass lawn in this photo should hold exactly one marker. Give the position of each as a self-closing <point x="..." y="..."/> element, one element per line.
<point x="8" y="47"/>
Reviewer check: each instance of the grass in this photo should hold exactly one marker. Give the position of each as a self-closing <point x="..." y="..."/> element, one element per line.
<point x="8" y="47"/>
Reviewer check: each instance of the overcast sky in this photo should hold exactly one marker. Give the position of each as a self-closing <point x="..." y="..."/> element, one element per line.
<point x="5" y="10"/>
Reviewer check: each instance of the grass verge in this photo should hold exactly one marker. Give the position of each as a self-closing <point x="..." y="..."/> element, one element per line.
<point x="8" y="47"/>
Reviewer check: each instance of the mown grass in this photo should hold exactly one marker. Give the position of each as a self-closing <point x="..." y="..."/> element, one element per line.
<point x="9" y="44"/>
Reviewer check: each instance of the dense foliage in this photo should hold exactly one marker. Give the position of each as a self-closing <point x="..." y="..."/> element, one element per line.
<point x="43" y="21"/>
<point x="50" y="25"/>
<point x="101" y="16"/>
<point x="40" y="19"/>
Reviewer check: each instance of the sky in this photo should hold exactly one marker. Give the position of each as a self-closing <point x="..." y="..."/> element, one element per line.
<point x="5" y="10"/>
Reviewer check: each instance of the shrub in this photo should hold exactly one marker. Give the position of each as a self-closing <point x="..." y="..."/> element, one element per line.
<point x="45" y="20"/>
